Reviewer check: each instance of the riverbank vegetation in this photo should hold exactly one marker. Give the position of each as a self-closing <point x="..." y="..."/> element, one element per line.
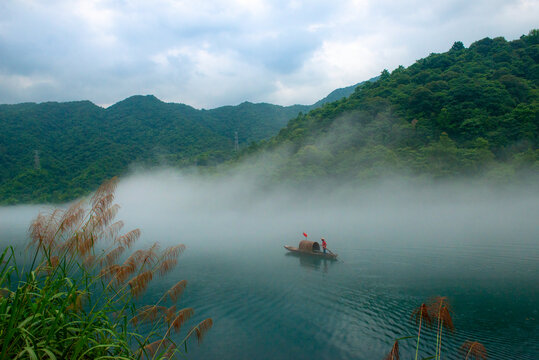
<point x="79" y="296"/>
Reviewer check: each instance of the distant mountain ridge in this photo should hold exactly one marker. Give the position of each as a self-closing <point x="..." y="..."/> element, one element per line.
<point x="56" y="151"/>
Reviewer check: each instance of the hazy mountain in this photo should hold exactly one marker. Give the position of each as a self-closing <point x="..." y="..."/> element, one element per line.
<point x="56" y="151"/>
<point x="469" y="111"/>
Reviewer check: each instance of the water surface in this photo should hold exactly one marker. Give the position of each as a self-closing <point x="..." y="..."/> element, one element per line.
<point x="398" y="247"/>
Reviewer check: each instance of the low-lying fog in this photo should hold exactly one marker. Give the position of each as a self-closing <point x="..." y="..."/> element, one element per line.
<point x="204" y="212"/>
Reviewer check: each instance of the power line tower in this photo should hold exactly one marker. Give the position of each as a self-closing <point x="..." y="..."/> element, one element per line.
<point x="37" y="163"/>
<point x="236" y="142"/>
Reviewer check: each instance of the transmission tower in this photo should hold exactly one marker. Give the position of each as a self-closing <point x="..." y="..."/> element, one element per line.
<point x="37" y="163"/>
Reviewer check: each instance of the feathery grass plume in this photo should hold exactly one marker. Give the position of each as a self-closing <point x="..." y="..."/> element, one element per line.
<point x="105" y="217"/>
<point x="149" y="314"/>
<point x="202" y="328"/>
<point x="439" y="309"/>
<point x="123" y="272"/>
<point x="177" y="290"/>
<point x="129" y="238"/>
<point x="76" y="302"/>
<point x="88" y="261"/>
<point x="394" y="353"/>
<point x="109" y="271"/>
<point x="72" y="217"/>
<point x="84" y="241"/>
<point x="152" y="349"/>
<point x="474" y="349"/>
<point x="44" y="228"/>
<point x="113" y="229"/>
<point x="173" y="252"/>
<point x="106" y="189"/>
<point x="170" y="314"/>
<point x="446" y="319"/>
<point x="112" y="255"/>
<point x="181" y="317"/>
<point x="421" y="315"/>
<point x="139" y="283"/>
<point x="166" y="266"/>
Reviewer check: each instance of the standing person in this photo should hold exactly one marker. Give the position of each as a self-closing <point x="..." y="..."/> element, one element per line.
<point x="324" y="244"/>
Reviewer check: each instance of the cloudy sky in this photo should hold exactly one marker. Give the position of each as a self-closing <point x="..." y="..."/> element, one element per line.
<point x="209" y="53"/>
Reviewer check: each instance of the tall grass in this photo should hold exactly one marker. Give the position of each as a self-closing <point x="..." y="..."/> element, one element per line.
<point x="74" y="299"/>
<point x="438" y="311"/>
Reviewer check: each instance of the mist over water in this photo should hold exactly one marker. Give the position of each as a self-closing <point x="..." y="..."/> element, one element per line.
<point x="399" y="243"/>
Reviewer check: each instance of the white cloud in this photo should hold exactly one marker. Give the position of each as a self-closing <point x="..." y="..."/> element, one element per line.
<point x="212" y="53"/>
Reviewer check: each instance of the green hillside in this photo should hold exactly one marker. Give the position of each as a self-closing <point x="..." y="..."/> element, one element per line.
<point x="469" y="111"/>
<point x="79" y="144"/>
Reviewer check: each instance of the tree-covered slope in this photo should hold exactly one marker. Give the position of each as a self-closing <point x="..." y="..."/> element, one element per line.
<point x="79" y="144"/>
<point x="468" y="111"/>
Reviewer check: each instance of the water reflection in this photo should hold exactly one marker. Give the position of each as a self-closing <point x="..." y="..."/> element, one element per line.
<point x="312" y="262"/>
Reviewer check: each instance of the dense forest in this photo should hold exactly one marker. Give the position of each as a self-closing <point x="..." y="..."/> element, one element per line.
<point x="59" y="151"/>
<point x="466" y="112"/>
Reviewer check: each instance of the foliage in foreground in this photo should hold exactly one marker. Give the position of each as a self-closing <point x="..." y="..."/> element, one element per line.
<point x="436" y="314"/>
<point x="76" y="301"/>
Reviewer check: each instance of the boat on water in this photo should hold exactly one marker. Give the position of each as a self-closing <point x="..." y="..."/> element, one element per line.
<point x="310" y="248"/>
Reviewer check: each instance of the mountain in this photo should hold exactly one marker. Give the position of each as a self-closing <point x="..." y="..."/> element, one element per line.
<point x="466" y="112"/>
<point x="58" y="151"/>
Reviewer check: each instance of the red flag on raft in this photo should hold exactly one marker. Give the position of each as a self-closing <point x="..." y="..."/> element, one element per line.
<point x="304" y="234"/>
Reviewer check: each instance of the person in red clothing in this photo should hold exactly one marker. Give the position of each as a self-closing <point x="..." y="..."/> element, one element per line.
<point x="324" y="244"/>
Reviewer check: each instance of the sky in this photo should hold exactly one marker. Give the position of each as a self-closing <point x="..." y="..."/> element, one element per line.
<point x="216" y="52"/>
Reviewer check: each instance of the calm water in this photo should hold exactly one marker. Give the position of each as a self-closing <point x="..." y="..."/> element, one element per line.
<point x="482" y="254"/>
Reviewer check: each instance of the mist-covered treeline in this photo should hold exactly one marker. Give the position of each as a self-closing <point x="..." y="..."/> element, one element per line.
<point x="469" y="111"/>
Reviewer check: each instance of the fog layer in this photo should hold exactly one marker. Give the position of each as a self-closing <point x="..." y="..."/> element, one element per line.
<point x="206" y="212"/>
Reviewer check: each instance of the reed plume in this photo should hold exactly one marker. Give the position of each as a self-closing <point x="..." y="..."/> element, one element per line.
<point x="181" y="317"/>
<point x="112" y="255"/>
<point x="474" y="349"/>
<point x="394" y="353"/>
<point x="173" y="252"/>
<point x="177" y="290"/>
<point x="150" y="314"/>
<point x="109" y="271"/>
<point x="114" y="228"/>
<point x="129" y="238"/>
<point x="421" y="314"/>
<point x="44" y="228"/>
<point x="105" y="190"/>
<point x="139" y="283"/>
<point x="75" y="302"/>
<point x="72" y="217"/>
<point x="440" y="309"/>
<point x="167" y="265"/>
<point x="153" y="348"/>
<point x="202" y="328"/>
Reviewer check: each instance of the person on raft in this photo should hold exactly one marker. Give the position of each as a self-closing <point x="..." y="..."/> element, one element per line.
<point x="324" y="244"/>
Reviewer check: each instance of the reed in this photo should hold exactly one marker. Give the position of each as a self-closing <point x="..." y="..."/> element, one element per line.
<point x="421" y="314"/>
<point x="394" y="353"/>
<point x="440" y="310"/>
<point x="74" y="299"/>
<point x="474" y="349"/>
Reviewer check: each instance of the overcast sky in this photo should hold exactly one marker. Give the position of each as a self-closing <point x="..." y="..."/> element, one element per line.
<point x="223" y="52"/>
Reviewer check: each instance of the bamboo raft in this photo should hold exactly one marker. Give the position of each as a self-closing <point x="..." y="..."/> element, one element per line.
<point x="311" y="248"/>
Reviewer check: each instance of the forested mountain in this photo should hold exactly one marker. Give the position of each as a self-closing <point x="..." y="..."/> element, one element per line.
<point x="58" y="151"/>
<point x="469" y="111"/>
